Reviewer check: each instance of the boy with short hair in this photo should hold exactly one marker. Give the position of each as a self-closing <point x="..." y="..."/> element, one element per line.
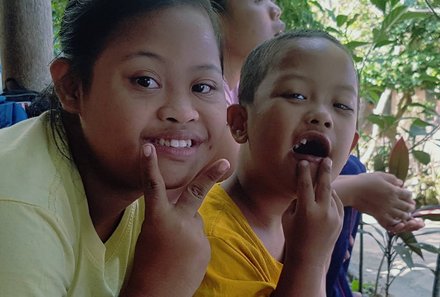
<point x="272" y="225"/>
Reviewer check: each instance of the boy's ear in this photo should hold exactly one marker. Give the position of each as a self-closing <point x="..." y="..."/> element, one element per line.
<point x="67" y="88"/>
<point x="355" y="140"/>
<point x="237" y="121"/>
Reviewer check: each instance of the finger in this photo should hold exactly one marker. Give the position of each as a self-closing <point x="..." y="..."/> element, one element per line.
<point x="323" y="185"/>
<point x="195" y="192"/>
<point x="305" y="193"/>
<point x="152" y="181"/>
<point x="406" y="196"/>
<point x="400" y="214"/>
<point x="392" y="179"/>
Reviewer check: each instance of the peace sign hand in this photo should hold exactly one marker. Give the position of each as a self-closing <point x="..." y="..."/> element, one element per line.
<point x="172" y="252"/>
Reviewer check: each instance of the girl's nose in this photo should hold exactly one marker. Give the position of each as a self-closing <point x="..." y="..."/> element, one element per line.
<point x="275" y="12"/>
<point x="178" y="110"/>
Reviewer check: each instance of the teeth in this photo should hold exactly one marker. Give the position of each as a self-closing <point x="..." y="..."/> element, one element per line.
<point x="176" y="143"/>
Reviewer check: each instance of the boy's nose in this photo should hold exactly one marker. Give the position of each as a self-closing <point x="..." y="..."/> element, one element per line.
<point x="320" y="118"/>
<point x="178" y="110"/>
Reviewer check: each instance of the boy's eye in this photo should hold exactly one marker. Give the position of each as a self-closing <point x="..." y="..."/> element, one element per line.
<point x="202" y="88"/>
<point x="342" y="106"/>
<point x="147" y="82"/>
<point x="296" y="96"/>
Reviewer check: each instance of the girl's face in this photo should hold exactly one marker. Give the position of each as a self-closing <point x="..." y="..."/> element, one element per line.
<point x="159" y="80"/>
<point x="248" y="23"/>
<point x="304" y="109"/>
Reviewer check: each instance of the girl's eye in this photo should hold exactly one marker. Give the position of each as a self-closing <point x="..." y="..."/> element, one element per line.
<point x="146" y="82"/>
<point x="342" y="106"/>
<point x="296" y="96"/>
<point x="202" y="88"/>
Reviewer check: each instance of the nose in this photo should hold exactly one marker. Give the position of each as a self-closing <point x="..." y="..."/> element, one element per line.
<point x="319" y="117"/>
<point x="275" y="11"/>
<point x="178" y="110"/>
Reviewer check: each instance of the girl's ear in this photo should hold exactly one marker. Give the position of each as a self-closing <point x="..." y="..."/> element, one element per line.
<point x="67" y="88"/>
<point x="237" y="121"/>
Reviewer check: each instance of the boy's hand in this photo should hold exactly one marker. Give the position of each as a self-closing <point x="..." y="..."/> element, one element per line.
<point x="311" y="226"/>
<point x="382" y="196"/>
<point x="172" y="252"/>
<point x="313" y="222"/>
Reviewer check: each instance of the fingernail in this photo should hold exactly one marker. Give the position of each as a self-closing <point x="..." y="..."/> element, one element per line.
<point x="147" y="150"/>
<point x="223" y="166"/>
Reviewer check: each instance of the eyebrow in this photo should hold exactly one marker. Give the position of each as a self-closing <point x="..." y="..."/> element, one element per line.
<point x="342" y="87"/>
<point x="154" y="56"/>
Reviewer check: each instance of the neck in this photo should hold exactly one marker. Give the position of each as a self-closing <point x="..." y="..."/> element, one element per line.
<point x="262" y="211"/>
<point x="232" y="68"/>
<point x="106" y="200"/>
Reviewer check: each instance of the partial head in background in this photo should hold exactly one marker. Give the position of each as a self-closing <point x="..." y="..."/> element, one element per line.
<point x="122" y="82"/>
<point x="248" y="23"/>
<point x="298" y="100"/>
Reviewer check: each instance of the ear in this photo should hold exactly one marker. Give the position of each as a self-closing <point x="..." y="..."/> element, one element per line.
<point x="237" y="121"/>
<point x="355" y="140"/>
<point x="67" y="88"/>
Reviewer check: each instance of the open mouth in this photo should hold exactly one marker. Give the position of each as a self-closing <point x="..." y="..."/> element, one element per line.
<point x="312" y="145"/>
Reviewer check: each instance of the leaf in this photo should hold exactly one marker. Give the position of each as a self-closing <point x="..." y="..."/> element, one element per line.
<point x="404" y="253"/>
<point x="354" y="44"/>
<point x="341" y="19"/>
<point x="418" y="127"/>
<point x="399" y="160"/>
<point x="430" y="212"/>
<point x="380" y="4"/>
<point x="410" y="240"/>
<point x="422" y="157"/>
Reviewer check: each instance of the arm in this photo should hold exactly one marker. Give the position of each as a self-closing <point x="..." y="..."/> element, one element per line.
<point x="311" y="226"/>
<point x="382" y="196"/>
<point x="172" y="252"/>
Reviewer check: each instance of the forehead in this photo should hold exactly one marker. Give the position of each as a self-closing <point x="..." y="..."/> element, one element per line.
<point x="184" y="25"/>
<point x="317" y="57"/>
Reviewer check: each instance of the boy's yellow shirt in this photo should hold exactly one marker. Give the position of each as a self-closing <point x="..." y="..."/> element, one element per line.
<point x="48" y="245"/>
<point x="240" y="264"/>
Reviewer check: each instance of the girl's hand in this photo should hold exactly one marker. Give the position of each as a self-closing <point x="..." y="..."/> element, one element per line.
<point x="172" y="252"/>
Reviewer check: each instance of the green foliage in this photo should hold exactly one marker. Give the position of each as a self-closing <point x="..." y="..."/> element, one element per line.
<point x="57" y="14"/>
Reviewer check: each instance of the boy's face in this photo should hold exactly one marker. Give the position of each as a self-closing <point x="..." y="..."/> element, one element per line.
<point x="304" y="109"/>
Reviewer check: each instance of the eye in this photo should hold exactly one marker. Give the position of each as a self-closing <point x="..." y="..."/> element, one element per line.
<point x="296" y="96"/>
<point x="202" y="88"/>
<point x="342" y="106"/>
<point x="146" y="82"/>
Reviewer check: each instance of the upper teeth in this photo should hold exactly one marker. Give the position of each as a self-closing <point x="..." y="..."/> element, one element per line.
<point x="301" y="142"/>
<point x="175" y="142"/>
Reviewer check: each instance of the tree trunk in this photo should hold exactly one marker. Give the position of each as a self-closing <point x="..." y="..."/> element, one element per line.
<point x="26" y="41"/>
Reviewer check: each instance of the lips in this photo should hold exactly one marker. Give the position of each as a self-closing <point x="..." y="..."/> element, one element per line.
<point x="311" y="144"/>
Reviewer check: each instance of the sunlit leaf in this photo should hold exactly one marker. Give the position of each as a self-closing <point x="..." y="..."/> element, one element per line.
<point x="422" y="157"/>
<point x="404" y="253"/>
<point x="341" y="19"/>
<point x="399" y="160"/>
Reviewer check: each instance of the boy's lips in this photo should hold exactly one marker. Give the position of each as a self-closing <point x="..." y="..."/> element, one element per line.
<point x="312" y="146"/>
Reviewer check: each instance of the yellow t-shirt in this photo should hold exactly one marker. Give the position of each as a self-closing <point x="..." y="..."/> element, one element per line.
<point x="240" y="264"/>
<point x="48" y="245"/>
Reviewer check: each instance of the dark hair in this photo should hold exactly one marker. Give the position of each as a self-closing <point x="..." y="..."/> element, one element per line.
<point x="261" y="59"/>
<point x="87" y="26"/>
<point x="86" y="29"/>
<point x="219" y="6"/>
